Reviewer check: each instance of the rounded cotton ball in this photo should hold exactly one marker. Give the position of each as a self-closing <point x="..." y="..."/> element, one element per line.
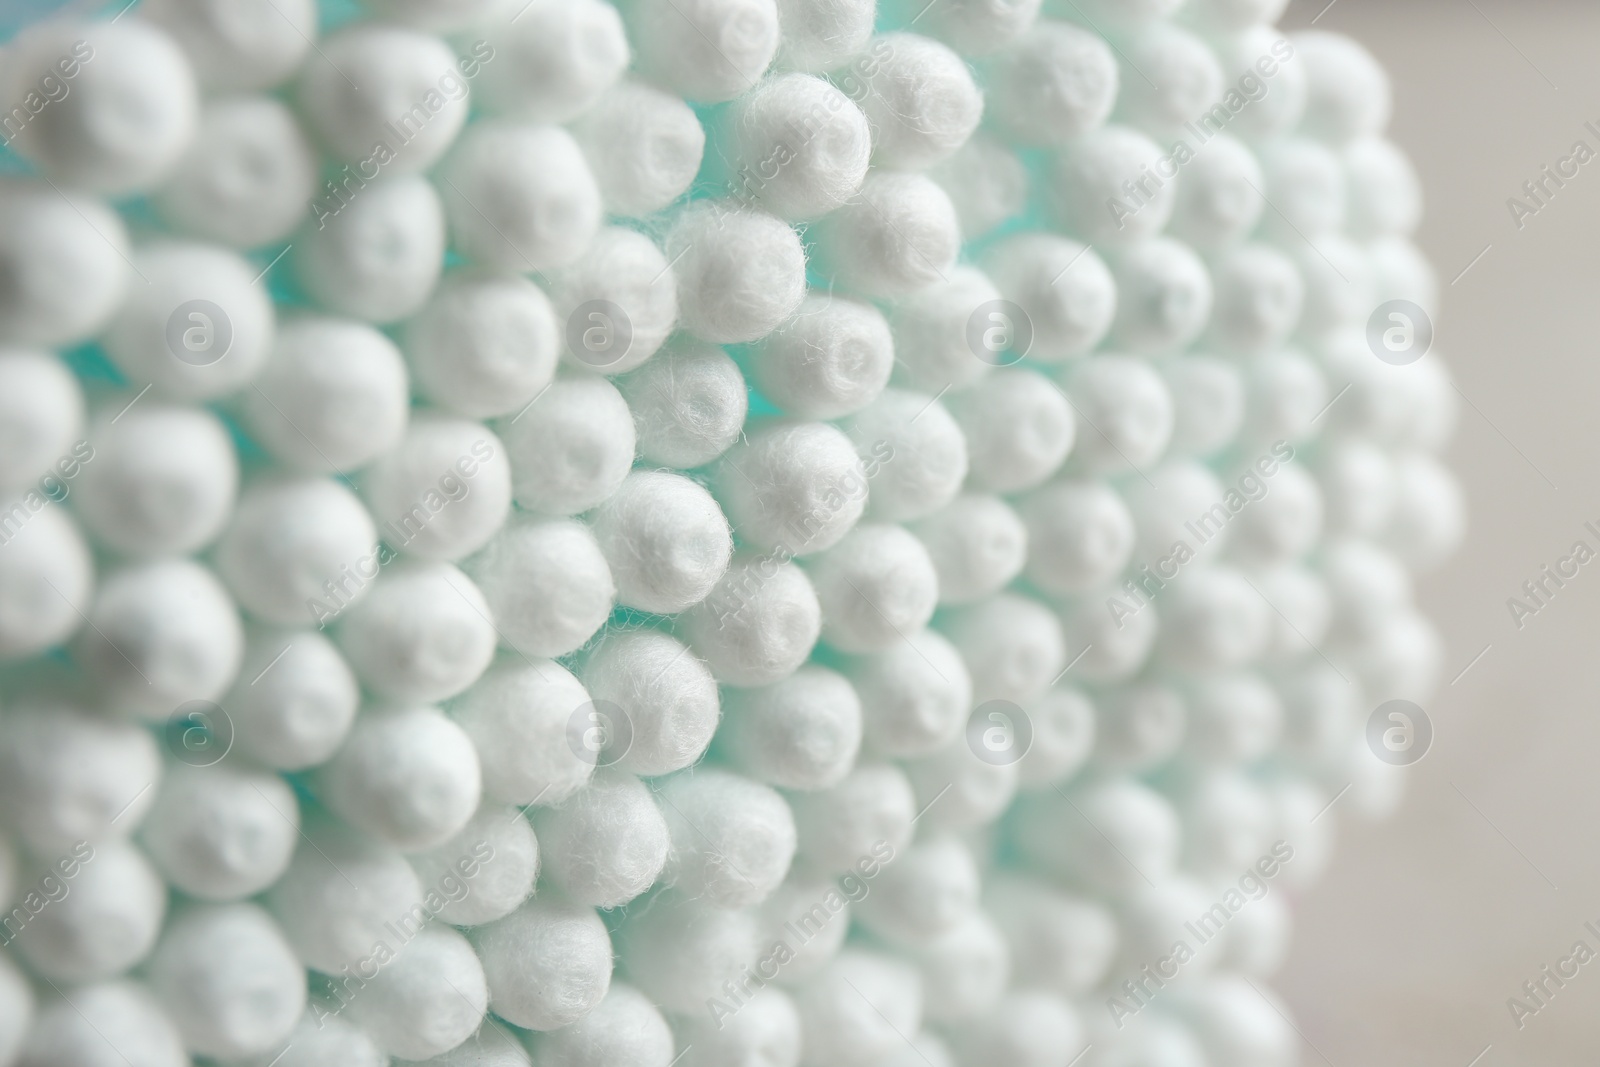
<point x="1254" y="51"/>
<point x="1107" y="646"/>
<point x="1056" y="83"/>
<point x="605" y="844"/>
<point x="1190" y="79"/>
<point x="520" y="718"/>
<point x="1208" y="403"/>
<point x="1138" y="727"/>
<point x="547" y="584"/>
<point x="1057" y="941"/>
<point x="739" y="272"/>
<point x="618" y="302"/>
<point x="922" y="893"/>
<point x="900" y="234"/>
<point x="1225" y="15"/>
<point x="1259" y="294"/>
<point x="1237" y="1022"/>
<point x="707" y="50"/>
<point x="1429" y="519"/>
<point x="872" y="806"/>
<point x="497" y="857"/>
<point x="427" y="1000"/>
<point x="1063" y="726"/>
<point x="1091" y="172"/>
<point x="1126" y="411"/>
<point x="875" y="586"/>
<point x="921" y="100"/>
<point x="572" y="448"/>
<point x="107" y="1024"/>
<point x="1212" y="620"/>
<point x="810" y="902"/>
<point x="322" y="1039"/>
<point x="666" y="541"/>
<point x="1108" y="835"/>
<point x="977" y="27"/>
<point x="1219" y="200"/>
<point x="1152" y="917"/>
<point x="46" y="235"/>
<point x="689" y="404"/>
<point x="46" y="581"/>
<point x="796" y="486"/>
<point x="956" y="790"/>
<point x="444" y="490"/>
<point x="131" y="110"/>
<point x="821" y="35"/>
<point x="1065" y="289"/>
<point x="550" y="61"/>
<point x="858" y="1009"/>
<point x="1384" y="192"/>
<point x="732" y="838"/>
<point x="238" y="44"/>
<point x="1012" y="645"/>
<point x="106" y="922"/>
<point x="1227" y="824"/>
<point x="821" y="169"/>
<point x="547" y="964"/>
<point x="800" y="733"/>
<point x="372" y="86"/>
<point x="1028" y="1028"/>
<point x="831" y="359"/>
<point x="765" y="1030"/>
<point x="1284" y="524"/>
<point x="666" y="695"/>
<point x="293" y="701"/>
<point x="421" y="632"/>
<point x="977" y="543"/>
<point x="1302" y="611"/>
<point x="931" y="326"/>
<point x="1305" y="185"/>
<point x="964" y="969"/>
<point x="221" y="832"/>
<point x="917" y="449"/>
<point x="987" y="183"/>
<point x="340" y="891"/>
<point x="681" y="951"/>
<point x="1178" y="491"/>
<point x="1164" y="296"/>
<point x="1018" y="427"/>
<point x="378" y="256"/>
<point x="624" y="1028"/>
<point x="1350" y="96"/>
<point x="915" y="695"/>
<point x="1285" y="391"/>
<point x="484" y="344"/>
<point x="519" y="196"/>
<point x="1080" y="535"/>
<point x="247" y="176"/>
<point x="1232" y="719"/>
<point x="758" y="624"/>
<point x="644" y="147"/>
<point x="201" y="326"/>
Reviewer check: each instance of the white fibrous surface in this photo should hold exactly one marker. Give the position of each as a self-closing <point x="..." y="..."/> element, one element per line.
<point x="616" y="533"/>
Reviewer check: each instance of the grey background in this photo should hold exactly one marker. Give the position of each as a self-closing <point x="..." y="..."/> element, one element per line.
<point x="1407" y="951"/>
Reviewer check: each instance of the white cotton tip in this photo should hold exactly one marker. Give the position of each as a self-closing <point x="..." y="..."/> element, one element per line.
<point x="287" y="538"/>
<point x="221" y="832"/>
<point x="1123" y="16"/>
<point x="108" y="1024"/>
<point x="822" y="35"/>
<point x="548" y="963"/>
<point x="422" y="632"/>
<point x="706" y="50"/>
<point x="1058" y="942"/>
<point x="1259" y="294"/>
<point x="764" y="1031"/>
<point x="547" y="583"/>
<point x="492" y="1046"/>
<point x="1177" y="492"/>
<point x="161" y="634"/>
<point x="800" y="733"/>
<point x="1283" y="523"/>
<point x="605" y="844"/>
<point x="1029" y="1028"/>
<point x="732" y="839"/>
<point x="796" y="146"/>
<point x="915" y="694"/>
<point x="238" y="44"/>
<point x="444" y="490"/>
<point x="1107" y="835"/>
<point x="1400" y="271"/>
<point x="1262" y="52"/>
<point x="1430" y="515"/>
<point x="46" y="235"/>
<point x="73" y="776"/>
<point x="933" y="332"/>
<point x="917" y="451"/>
<point x="1259" y="938"/>
<point x="837" y="826"/>
<point x="977" y="545"/>
<point x="858" y="1009"/>
<point x="1299" y="802"/>
<point x="831" y="359"/>
<point x="228" y="980"/>
<point x="899" y="235"/>
<point x="666" y="540"/>
<point x="442" y="15"/>
<point x="383" y="96"/>
<point x="1233" y="720"/>
<point x="41" y="419"/>
<point x="161" y="481"/>
<point x="124" y="116"/>
<point x="551" y="61"/>
<point x="1018" y="427"/>
<point x="1435" y="406"/>
<point x="105" y="921"/>
<point x="1164" y="296"/>
<point x="1054" y="84"/>
<point x="616" y="303"/>
<point x="797" y="487"/>
<point x="1107" y="645"/>
<point x="1065" y="289"/>
<point x="1220" y="200"/>
<point x="682" y="952"/>
<point x="427" y="1000"/>
<point x="1208" y="403"/>
<point x="1302" y="610"/>
<point x="1063" y="726"/>
<point x="486" y="870"/>
<point x="739" y="272"/>
<point x="1138" y="727"/>
<point x="964" y="969"/>
<point x="666" y="696"/>
<point x="809" y="914"/>
<point x="644" y="147"/>
<point x="919" y="97"/>
<point x="876" y="586"/>
<point x="1222" y="16"/>
<point x="1012" y="646"/>
<point x="1212" y="620"/>
<point x="689" y="404"/>
<point x="201" y="327"/>
<point x="972" y="27"/>
<point x="624" y="1028"/>
<point x="1080" y="535"/>
<point x="1153" y="917"/>
<point x="1366" y="584"/>
<point x="379" y="255"/>
<point x="1285" y="391"/>
<point x="956" y="790"/>
<point x="322" y="1039"/>
<point x="1350" y="95"/>
<point x="484" y="344"/>
<point x="1090" y="185"/>
<point x="1148" y="1038"/>
<point x="520" y="717"/>
<point x="1305" y="185"/>
<point x="1227" y="824"/>
<point x="923" y="892"/>
<point x="46" y="580"/>
<point x="1340" y="288"/>
<point x="572" y="448"/>
<point x="1237" y="1022"/>
<point x="1320" y="713"/>
<point x="1190" y="79"/>
<point x="406" y="775"/>
<point x="986" y="181"/>
<point x="293" y="701"/>
<point x="1374" y="401"/>
<point x="1383" y="190"/>
<point x="519" y="196"/>
<point x="1126" y="413"/>
<point x="247" y="177"/>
